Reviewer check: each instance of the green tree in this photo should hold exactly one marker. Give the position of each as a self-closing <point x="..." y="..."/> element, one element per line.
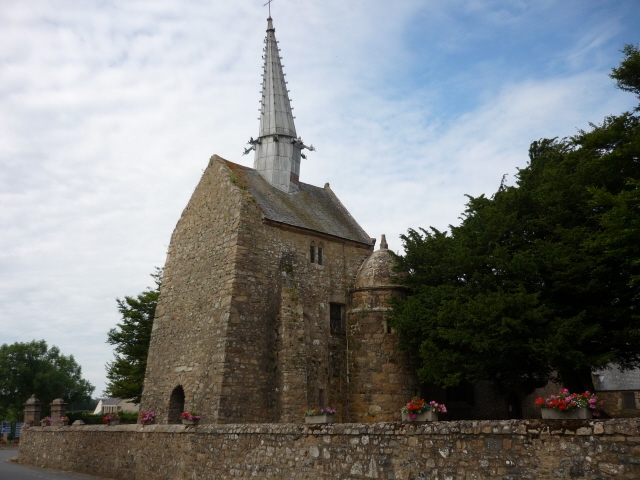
<point x="540" y="281"/>
<point x="627" y="75"/>
<point x="131" y="340"/>
<point x="33" y="368"/>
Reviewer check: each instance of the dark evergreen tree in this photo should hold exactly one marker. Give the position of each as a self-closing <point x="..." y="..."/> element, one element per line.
<point x="131" y="339"/>
<point x="627" y="75"/>
<point x="540" y="281"/>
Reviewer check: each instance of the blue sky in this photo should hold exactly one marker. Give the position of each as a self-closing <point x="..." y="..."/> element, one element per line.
<point x="110" y="110"/>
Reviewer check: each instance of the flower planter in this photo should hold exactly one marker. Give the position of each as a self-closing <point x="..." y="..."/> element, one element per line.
<point x="44" y="424"/>
<point x="64" y="423"/>
<point x="190" y="422"/>
<point x="318" y="419"/>
<point x="577" y="414"/>
<point x="111" y="423"/>
<point x="428" y="416"/>
<point x="148" y="423"/>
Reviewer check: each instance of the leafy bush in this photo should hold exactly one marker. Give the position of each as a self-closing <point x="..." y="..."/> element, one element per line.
<point x="86" y="416"/>
<point x="128" y="418"/>
<point x="90" y="419"/>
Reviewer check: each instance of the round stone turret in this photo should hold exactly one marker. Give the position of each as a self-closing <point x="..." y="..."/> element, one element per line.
<point x="382" y="378"/>
<point x="377" y="270"/>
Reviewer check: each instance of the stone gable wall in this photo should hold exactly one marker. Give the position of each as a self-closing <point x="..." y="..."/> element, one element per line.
<point x="461" y="450"/>
<point x="189" y="335"/>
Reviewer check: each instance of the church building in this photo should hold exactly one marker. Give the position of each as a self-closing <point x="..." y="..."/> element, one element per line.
<point x="273" y="299"/>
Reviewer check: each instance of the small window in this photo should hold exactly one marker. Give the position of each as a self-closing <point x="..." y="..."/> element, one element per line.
<point x="336" y="317"/>
<point x="628" y="401"/>
<point x="312" y="253"/>
<point x="320" y="259"/>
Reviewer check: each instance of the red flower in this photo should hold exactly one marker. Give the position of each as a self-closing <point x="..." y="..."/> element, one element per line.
<point x="539" y="401"/>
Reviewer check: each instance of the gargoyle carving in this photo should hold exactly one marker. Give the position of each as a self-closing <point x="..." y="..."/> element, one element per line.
<point x="253" y="143"/>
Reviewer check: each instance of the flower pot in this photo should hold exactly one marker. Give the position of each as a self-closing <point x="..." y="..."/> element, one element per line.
<point x="111" y="423"/>
<point x="318" y="419"/>
<point x="44" y="424"/>
<point x="577" y="414"/>
<point x="428" y="416"/>
<point x="64" y="423"/>
<point x="150" y="422"/>
<point x="190" y="422"/>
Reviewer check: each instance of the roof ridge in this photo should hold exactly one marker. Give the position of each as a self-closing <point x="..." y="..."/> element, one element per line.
<point x="312" y="208"/>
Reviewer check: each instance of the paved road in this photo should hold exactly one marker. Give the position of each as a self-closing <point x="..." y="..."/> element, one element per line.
<point x="13" y="471"/>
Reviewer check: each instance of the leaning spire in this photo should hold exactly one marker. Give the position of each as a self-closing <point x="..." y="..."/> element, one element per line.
<point x="278" y="149"/>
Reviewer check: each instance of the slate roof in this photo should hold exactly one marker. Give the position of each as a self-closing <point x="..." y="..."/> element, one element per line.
<point x="614" y="379"/>
<point x="312" y="208"/>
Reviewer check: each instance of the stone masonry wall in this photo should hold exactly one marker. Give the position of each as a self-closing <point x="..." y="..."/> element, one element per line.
<point x="614" y="404"/>
<point x="242" y="323"/>
<point x="278" y="355"/>
<point x="381" y="376"/>
<point x="461" y="450"/>
<point x="189" y="335"/>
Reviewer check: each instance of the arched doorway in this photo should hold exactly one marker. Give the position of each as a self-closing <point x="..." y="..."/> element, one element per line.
<point x="176" y="405"/>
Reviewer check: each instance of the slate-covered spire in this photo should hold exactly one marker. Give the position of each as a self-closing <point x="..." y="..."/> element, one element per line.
<point x="278" y="149"/>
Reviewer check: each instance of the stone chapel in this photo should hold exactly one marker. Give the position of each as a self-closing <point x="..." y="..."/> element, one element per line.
<point x="273" y="299"/>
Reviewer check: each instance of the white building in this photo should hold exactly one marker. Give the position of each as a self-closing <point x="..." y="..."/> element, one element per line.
<point x="115" y="405"/>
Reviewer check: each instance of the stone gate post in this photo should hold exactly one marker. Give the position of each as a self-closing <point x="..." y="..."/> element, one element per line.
<point x="32" y="410"/>
<point x="58" y="409"/>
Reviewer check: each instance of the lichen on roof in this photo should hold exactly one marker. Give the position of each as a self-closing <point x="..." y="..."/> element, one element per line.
<point x="312" y="208"/>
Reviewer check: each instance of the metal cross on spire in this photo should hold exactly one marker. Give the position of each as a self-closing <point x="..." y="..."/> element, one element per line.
<point x="268" y="3"/>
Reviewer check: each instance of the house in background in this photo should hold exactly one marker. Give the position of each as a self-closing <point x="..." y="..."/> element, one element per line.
<point x="619" y="390"/>
<point x="115" y="405"/>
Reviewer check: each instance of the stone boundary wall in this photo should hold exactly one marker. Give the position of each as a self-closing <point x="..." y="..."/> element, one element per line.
<point x="505" y="450"/>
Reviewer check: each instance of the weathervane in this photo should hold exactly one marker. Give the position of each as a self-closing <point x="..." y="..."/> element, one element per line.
<point x="268" y="3"/>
